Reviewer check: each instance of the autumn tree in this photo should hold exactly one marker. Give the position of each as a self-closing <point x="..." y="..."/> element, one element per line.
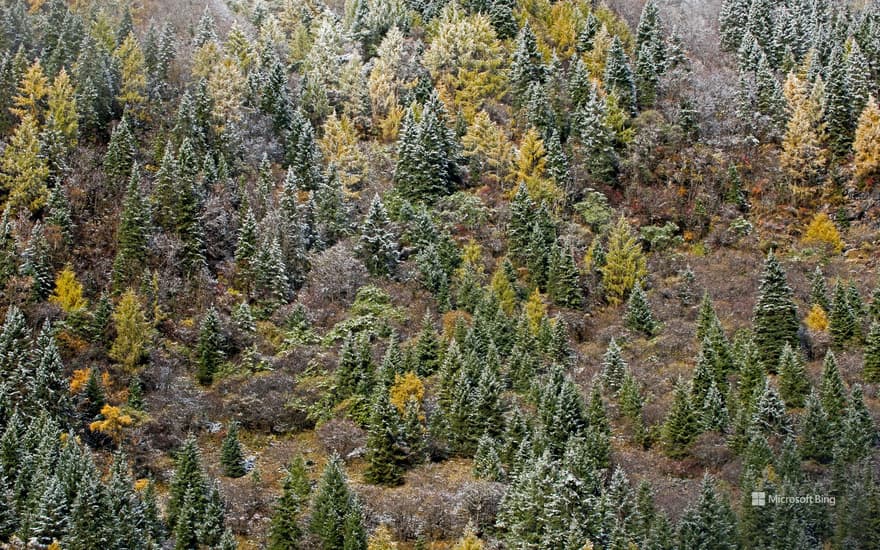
<point x="23" y="170"/>
<point x="133" y="332"/>
<point x="867" y="142"/>
<point x="68" y="294"/>
<point x="625" y="262"/>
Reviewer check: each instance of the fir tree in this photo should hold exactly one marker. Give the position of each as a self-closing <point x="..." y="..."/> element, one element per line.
<point x="831" y="389"/>
<point x="119" y="159"/>
<point x="638" y="313"/>
<point x="246" y="249"/>
<point x="618" y="77"/>
<point x="775" y="314"/>
<point x="839" y="115"/>
<point x="842" y="321"/>
<point x="714" y="415"/>
<point x="819" y="290"/>
<point x="871" y="370"/>
<point x="284" y="530"/>
<point x="816" y="440"/>
<point x="134" y="232"/>
<point x="596" y="138"/>
<point x="385" y="454"/>
<point x="710" y="523"/>
<point x="58" y="214"/>
<point x="187" y="484"/>
<point x="793" y="382"/>
<point x="527" y="65"/>
<point x="336" y="515"/>
<point x="231" y="455"/>
<point x="859" y="434"/>
<point x="378" y="246"/>
<point x="614" y="368"/>
<point x="487" y="463"/>
<point x="680" y="428"/>
<point x="209" y="352"/>
<point x="270" y="284"/>
<point x="36" y="264"/>
<point x="563" y="280"/>
<point x="769" y="416"/>
<point x="428" y="353"/>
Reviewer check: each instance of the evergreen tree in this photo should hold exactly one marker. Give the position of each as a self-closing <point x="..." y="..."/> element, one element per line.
<point x="638" y="313"/>
<point x="188" y="486"/>
<point x="680" y="428"/>
<point x="385" y="454"/>
<point x="428" y="353"/>
<point x="614" y="368"/>
<point x="336" y="515"/>
<point x="58" y="214"/>
<point x="831" y="389"/>
<point x="819" y="290"/>
<point x="209" y="352"/>
<point x="859" y="434"/>
<point x="563" y="280"/>
<point x="487" y="463"/>
<point x="775" y="314"/>
<point x="120" y="157"/>
<point x="527" y="65"/>
<point x="769" y="415"/>
<point x="270" y="283"/>
<point x="842" y="321"/>
<point x="871" y="370"/>
<point x="618" y="77"/>
<point x="714" y="415"/>
<point x="36" y="264"/>
<point x="839" y="115"/>
<point x="596" y="137"/>
<point x="284" y="530"/>
<point x="378" y="246"/>
<point x="231" y="455"/>
<point x="793" y="382"/>
<point x="246" y="249"/>
<point x="133" y="235"/>
<point x="710" y="523"/>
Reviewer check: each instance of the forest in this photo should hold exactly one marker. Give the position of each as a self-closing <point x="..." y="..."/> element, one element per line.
<point x="439" y="274"/>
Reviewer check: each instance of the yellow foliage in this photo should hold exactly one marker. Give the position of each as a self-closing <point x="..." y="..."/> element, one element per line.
<point x="339" y="144"/>
<point x="595" y="58"/>
<point x="204" y="59"/>
<point x="803" y="154"/>
<point x="531" y="169"/>
<point x="562" y="31"/>
<point x="79" y="379"/>
<point x="226" y="86"/>
<point x="450" y="319"/>
<point x="504" y="291"/>
<point x="405" y="388"/>
<point x="486" y="145"/>
<point x="471" y="255"/>
<point x="141" y="484"/>
<point x="867" y="142"/>
<point x="132" y="331"/>
<point x="624" y="263"/>
<point x="62" y="108"/>
<point x="817" y="319"/>
<point x="32" y="91"/>
<point x="823" y="233"/>
<point x="68" y="293"/>
<point x="54" y="546"/>
<point x="469" y="541"/>
<point x="133" y="87"/>
<point x="535" y="310"/>
<point x="23" y="170"/>
<point x="114" y="421"/>
<point x="381" y="539"/>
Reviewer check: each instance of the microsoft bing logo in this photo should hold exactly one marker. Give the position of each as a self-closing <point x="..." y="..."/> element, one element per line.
<point x="759" y="498"/>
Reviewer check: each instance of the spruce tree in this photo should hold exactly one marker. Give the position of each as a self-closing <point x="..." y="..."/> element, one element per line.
<point x="284" y="529"/>
<point x="842" y="321"/>
<point x="596" y="137"/>
<point x="487" y="463"/>
<point x="681" y="426"/>
<point x="859" y="433"/>
<point x="563" y="280"/>
<point x="775" y="314"/>
<point x="231" y="455"/>
<point x="385" y="454"/>
<point x="769" y="415"/>
<point x="134" y="232"/>
<point x="246" y="249"/>
<point x="793" y="382"/>
<point x="36" y="264"/>
<point x="188" y="484"/>
<point x="714" y="415"/>
<point x="121" y="151"/>
<point x="817" y="438"/>
<point x="270" y="285"/>
<point x="638" y="313"/>
<point x="871" y="369"/>
<point x="378" y="247"/>
<point x="209" y="352"/>
<point x="819" y="290"/>
<point x="618" y="77"/>
<point x="527" y="65"/>
<point x="336" y="513"/>
<point x="831" y="389"/>
<point x="614" y="368"/>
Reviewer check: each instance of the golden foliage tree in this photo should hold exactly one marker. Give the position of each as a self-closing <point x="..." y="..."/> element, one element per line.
<point x="68" y="294"/>
<point x="62" y="116"/>
<point x="625" y="262"/>
<point x="406" y="387"/>
<point x="535" y="310"/>
<point x="226" y="86"/>
<point x="487" y="147"/>
<point x="803" y="153"/>
<point x="385" y="84"/>
<point x="32" y="92"/>
<point x="133" y="331"/>
<point x="339" y="145"/>
<point x="112" y="424"/>
<point x="823" y="233"/>
<point x="469" y="541"/>
<point x="23" y="171"/>
<point x="381" y="539"/>
<point x="531" y="164"/>
<point x="817" y="319"/>
<point x="132" y="90"/>
<point x="867" y="142"/>
<point x="504" y="291"/>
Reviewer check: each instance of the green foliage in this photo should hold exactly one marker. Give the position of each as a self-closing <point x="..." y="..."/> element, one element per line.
<point x="385" y="453"/>
<point x="775" y="314"/>
<point x="231" y="455"/>
<point x="336" y="517"/>
<point x="209" y="351"/>
<point x="638" y="313"/>
<point x="681" y="426"/>
<point x="284" y="529"/>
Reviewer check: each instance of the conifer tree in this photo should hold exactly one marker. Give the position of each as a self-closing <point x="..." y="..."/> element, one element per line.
<point x="270" y="282"/>
<point x="487" y="463"/>
<point x="527" y="65"/>
<point x="618" y="77"/>
<point x="563" y="280"/>
<point x="831" y="390"/>
<point x="769" y="416"/>
<point x="336" y="515"/>
<point x="680" y="428"/>
<point x="793" y="382"/>
<point x="231" y="455"/>
<point x="385" y="453"/>
<point x="714" y="415"/>
<point x="871" y="370"/>
<point x="284" y="530"/>
<point x="638" y="313"/>
<point x="819" y="290"/>
<point x="23" y="169"/>
<point x="58" y="214"/>
<point x="209" y="352"/>
<point x="614" y="368"/>
<point x="842" y="321"/>
<point x="839" y="116"/>
<point x="246" y="248"/>
<point x="132" y="332"/>
<point x="859" y="433"/>
<point x="803" y="155"/>
<point x="378" y="246"/>
<point x="428" y="353"/>
<point x="625" y="263"/>
<point x="187" y="484"/>
<point x="710" y="523"/>
<point x="596" y="137"/>
<point x="132" y="238"/>
<point x="36" y="264"/>
<point x="775" y="314"/>
<point x="866" y="146"/>
<point x="120" y="157"/>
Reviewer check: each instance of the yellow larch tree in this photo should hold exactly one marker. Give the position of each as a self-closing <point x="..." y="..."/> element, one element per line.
<point x="803" y="155"/>
<point x="112" y="424"/>
<point x="133" y="332"/>
<point x="339" y="144"/>
<point x="535" y="310"/>
<point x="625" y="262"/>
<point x="381" y="539"/>
<point x="226" y="86"/>
<point x="817" y="319"/>
<point x="23" y="171"/>
<point x="487" y="147"/>
<point x="133" y="87"/>
<point x="469" y="540"/>
<point x="867" y="142"/>
<point x="32" y="92"/>
<point x="531" y="164"/>
<point x="62" y="116"/>
<point x="504" y="290"/>
<point x="406" y="387"/>
<point x="385" y="83"/>
<point x="822" y="232"/>
<point x="68" y="294"/>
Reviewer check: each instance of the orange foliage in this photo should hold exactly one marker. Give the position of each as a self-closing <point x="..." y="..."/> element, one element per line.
<point x="114" y="421"/>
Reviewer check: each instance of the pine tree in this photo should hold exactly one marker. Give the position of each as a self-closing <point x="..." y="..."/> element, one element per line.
<point x="187" y="483"/>
<point x="638" y="313"/>
<point x="231" y="455"/>
<point x="839" y="115"/>
<point x="132" y="238"/>
<point x="336" y="514"/>
<point x="487" y="463"/>
<point x="23" y="170"/>
<point x="618" y="77"/>
<point x="625" y="263"/>
<point x="775" y="314"/>
<point x="284" y="530"/>
<point x="793" y="382"/>
<point x="246" y="248"/>
<point x="866" y="145"/>
<point x="842" y="321"/>
<point x="378" y="246"/>
<point x="209" y="352"/>
<point x="871" y="370"/>
<point x="385" y="454"/>
<point x="121" y="151"/>
<point x="680" y="428"/>
<point x="714" y="415"/>
<point x="596" y="138"/>
<point x="831" y="389"/>
<point x="710" y="523"/>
